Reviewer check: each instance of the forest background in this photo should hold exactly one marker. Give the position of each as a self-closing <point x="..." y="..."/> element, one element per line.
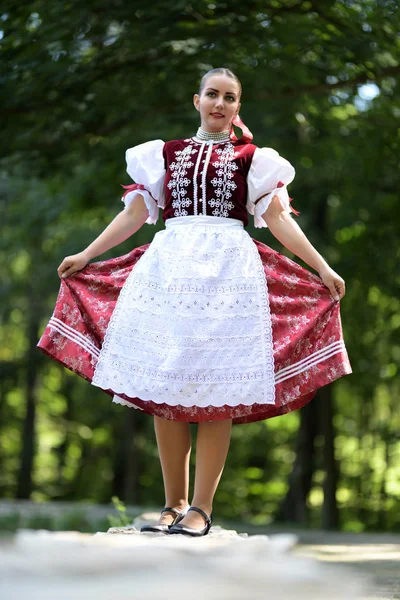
<point x="83" y="81"/>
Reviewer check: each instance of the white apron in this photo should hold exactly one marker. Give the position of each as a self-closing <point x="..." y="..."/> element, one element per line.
<point x="192" y="325"/>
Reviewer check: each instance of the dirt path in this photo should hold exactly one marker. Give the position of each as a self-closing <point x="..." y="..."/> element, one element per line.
<point x="378" y="563"/>
<point x="375" y="556"/>
<point x="92" y="561"/>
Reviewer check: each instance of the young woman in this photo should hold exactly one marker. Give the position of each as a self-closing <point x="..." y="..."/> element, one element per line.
<point x="205" y="324"/>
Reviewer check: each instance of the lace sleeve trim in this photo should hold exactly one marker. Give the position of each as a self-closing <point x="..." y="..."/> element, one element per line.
<point x="137" y="188"/>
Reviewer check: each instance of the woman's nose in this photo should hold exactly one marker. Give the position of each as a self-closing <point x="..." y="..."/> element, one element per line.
<point x="219" y="103"/>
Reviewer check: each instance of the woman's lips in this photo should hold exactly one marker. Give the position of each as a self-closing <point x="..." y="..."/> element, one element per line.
<point x="217" y="115"/>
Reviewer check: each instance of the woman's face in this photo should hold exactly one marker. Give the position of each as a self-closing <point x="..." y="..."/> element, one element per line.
<point x="218" y="103"/>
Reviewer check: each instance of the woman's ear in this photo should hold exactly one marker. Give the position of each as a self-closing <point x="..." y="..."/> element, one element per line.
<point x="196" y="102"/>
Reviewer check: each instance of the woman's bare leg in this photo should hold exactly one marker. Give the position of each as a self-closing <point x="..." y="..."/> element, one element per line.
<point x="174" y="446"/>
<point x="211" y="450"/>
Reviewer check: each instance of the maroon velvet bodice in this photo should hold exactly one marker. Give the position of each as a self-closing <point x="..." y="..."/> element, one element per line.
<point x="206" y="178"/>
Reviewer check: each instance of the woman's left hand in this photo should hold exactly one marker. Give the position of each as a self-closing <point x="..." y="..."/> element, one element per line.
<point x="333" y="282"/>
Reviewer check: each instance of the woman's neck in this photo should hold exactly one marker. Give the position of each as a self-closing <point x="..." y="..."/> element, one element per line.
<point x="217" y="136"/>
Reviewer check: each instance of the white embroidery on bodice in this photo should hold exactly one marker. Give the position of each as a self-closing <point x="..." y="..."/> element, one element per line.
<point x="179" y="181"/>
<point x="223" y="184"/>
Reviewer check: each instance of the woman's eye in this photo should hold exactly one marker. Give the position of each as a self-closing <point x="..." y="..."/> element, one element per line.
<point x="231" y="98"/>
<point x="211" y="94"/>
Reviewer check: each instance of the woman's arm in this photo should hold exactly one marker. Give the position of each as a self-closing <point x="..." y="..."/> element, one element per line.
<point x="288" y="232"/>
<point x="125" y="224"/>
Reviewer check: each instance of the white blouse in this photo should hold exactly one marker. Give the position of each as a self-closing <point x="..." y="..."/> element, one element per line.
<point x="145" y="164"/>
<point x="267" y="169"/>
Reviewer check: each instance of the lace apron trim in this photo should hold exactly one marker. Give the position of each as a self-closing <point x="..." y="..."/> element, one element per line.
<point x="201" y="284"/>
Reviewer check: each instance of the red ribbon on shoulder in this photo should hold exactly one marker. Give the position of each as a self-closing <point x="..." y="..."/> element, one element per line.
<point x="247" y="136"/>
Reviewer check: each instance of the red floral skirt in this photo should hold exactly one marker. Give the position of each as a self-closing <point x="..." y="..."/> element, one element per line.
<point x="308" y="347"/>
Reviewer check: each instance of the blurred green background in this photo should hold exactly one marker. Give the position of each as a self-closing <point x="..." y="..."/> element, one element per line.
<point x="83" y="81"/>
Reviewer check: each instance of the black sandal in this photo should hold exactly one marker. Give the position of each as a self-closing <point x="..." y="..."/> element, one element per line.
<point x="175" y="528"/>
<point x="165" y="528"/>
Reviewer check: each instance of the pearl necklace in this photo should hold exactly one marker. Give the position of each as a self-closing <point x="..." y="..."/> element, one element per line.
<point x="216" y="136"/>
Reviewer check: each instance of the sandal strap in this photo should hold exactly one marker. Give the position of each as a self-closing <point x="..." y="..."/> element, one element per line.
<point x="202" y="513"/>
<point x="172" y="510"/>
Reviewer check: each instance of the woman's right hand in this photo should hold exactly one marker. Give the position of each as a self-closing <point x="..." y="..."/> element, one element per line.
<point x="72" y="264"/>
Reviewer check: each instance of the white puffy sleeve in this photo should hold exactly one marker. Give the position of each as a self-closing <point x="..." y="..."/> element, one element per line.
<point x="145" y="164"/>
<point x="268" y="176"/>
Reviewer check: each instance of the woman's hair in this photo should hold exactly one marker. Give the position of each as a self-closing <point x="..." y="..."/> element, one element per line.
<point x="220" y="71"/>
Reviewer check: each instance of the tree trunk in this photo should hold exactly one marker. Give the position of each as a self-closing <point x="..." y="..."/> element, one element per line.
<point x="118" y="459"/>
<point x="62" y="449"/>
<point x="294" y="507"/>
<point x="131" y="465"/>
<point x="330" y="512"/>
<point x="24" y="481"/>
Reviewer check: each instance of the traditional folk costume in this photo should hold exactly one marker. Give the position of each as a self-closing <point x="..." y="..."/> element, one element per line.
<point x="204" y="323"/>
